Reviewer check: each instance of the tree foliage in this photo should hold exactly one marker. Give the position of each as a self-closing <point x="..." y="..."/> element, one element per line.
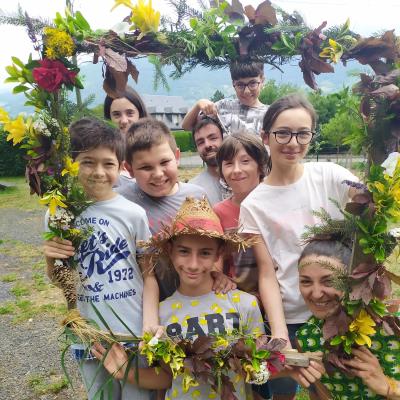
<point x="273" y="91"/>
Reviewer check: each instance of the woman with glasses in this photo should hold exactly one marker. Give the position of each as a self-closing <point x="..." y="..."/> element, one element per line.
<point x="278" y="209"/>
<point x="243" y="113"/>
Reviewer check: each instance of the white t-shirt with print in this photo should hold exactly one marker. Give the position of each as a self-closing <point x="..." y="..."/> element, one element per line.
<point x="280" y="214"/>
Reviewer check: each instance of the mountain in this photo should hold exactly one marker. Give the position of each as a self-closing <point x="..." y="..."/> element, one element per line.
<point x="197" y="84"/>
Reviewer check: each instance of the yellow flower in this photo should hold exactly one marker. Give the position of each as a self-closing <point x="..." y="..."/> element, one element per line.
<point x="334" y="51"/>
<point x="54" y="199"/>
<point x="58" y="43"/>
<point x="4" y="117"/>
<point x="362" y="327"/>
<point x="220" y="344"/>
<point x="71" y="167"/>
<point x="249" y="369"/>
<point x="145" y="18"/>
<point x="126" y="3"/>
<point x="16" y="129"/>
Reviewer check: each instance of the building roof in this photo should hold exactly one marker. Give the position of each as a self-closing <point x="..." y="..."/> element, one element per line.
<point x="161" y="104"/>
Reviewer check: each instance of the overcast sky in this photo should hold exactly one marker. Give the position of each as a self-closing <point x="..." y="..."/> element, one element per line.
<point x="366" y="17"/>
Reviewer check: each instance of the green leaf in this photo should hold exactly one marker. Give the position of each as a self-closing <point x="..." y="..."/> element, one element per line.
<point x="48" y="235"/>
<point x="17" y="61"/>
<point x="20" y="89"/>
<point x="229" y="30"/>
<point x="12" y="71"/>
<point x="193" y="23"/>
<point x="81" y="21"/>
<point x="336" y="340"/>
<point x="11" y="79"/>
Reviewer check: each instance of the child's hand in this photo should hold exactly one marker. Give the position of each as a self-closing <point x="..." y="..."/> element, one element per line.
<point x="157" y="331"/>
<point x="114" y="361"/>
<point x="222" y="284"/>
<point x="207" y="107"/>
<point x="58" y="248"/>
<point x="305" y="376"/>
<point x="366" y="366"/>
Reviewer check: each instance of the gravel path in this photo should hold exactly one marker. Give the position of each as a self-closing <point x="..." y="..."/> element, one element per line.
<point x="29" y="350"/>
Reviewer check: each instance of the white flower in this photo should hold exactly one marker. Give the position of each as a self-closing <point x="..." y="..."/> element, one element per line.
<point x="153" y="341"/>
<point x="390" y="163"/>
<point x="395" y="232"/>
<point x="120" y="29"/>
<point x="260" y="377"/>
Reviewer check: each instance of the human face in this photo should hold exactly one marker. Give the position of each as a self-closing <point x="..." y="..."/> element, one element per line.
<point x="321" y="298"/>
<point x="295" y="120"/>
<point x="194" y="257"/>
<point x="208" y="140"/>
<point x="123" y="113"/>
<point x="156" y="170"/>
<point x="247" y="96"/>
<point x="98" y="172"/>
<point x="242" y="173"/>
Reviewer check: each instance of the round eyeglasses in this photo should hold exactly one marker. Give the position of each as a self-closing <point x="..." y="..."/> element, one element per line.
<point x="252" y="85"/>
<point x="285" y="136"/>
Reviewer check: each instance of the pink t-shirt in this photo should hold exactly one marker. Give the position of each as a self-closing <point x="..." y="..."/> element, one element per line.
<point x="240" y="266"/>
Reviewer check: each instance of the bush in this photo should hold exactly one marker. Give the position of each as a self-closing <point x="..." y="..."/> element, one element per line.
<point x="12" y="162"/>
<point x="184" y="140"/>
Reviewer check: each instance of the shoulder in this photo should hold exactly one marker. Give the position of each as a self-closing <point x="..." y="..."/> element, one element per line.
<point x="243" y="299"/>
<point x="254" y="195"/>
<point x="329" y="171"/>
<point x="198" y="178"/>
<point x="190" y="189"/>
<point x="223" y="103"/>
<point x="128" y="206"/>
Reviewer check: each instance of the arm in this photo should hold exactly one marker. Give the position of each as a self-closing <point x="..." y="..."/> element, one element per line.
<point x="269" y="291"/>
<point x="56" y="248"/>
<point x="366" y="366"/>
<point x="208" y="108"/>
<point x="115" y="361"/>
<point x="151" y="295"/>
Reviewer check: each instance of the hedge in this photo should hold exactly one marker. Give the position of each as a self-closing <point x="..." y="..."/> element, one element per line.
<point x="12" y="162"/>
<point x="184" y="140"/>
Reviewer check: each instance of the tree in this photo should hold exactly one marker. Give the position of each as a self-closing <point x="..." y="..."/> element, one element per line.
<point x="273" y="91"/>
<point x="218" y="95"/>
<point x="346" y="125"/>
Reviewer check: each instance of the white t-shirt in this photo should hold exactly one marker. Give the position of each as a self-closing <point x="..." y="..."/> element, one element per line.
<point x="280" y="213"/>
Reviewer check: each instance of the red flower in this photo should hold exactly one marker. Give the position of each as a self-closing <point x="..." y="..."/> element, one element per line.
<point x="52" y="74"/>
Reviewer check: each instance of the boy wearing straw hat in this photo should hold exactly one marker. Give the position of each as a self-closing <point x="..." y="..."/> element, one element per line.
<point x="193" y="243"/>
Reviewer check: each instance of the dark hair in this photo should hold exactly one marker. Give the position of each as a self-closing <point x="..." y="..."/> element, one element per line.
<point x="328" y="248"/>
<point x="146" y="133"/>
<point x="91" y="133"/>
<point x="253" y="146"/>
<point x="240" y="69"/>
<point x="294" y="100"/>
<point x="204" y="121"/>
<point x="129" y="94"/>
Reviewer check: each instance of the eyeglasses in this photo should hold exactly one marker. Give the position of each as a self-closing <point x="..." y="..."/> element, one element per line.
<point x="285" y="136"/>
<point x="252" y="85"/>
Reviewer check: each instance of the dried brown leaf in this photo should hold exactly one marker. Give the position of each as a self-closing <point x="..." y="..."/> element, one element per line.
<point x="265" y="14"/>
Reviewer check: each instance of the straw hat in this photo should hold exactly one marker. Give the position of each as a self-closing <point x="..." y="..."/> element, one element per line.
<point x="195" y="217"/>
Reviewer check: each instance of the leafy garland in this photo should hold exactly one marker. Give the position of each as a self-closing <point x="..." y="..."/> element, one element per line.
<point x="208" y="359"/>
<point x="366" y="228"/>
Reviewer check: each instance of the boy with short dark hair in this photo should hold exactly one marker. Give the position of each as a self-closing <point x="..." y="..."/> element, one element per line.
<point x="107" y="261"/>
<point x="244" y="112"/>
<point x="152" y="158"/>
<point x="208" y="137"/>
